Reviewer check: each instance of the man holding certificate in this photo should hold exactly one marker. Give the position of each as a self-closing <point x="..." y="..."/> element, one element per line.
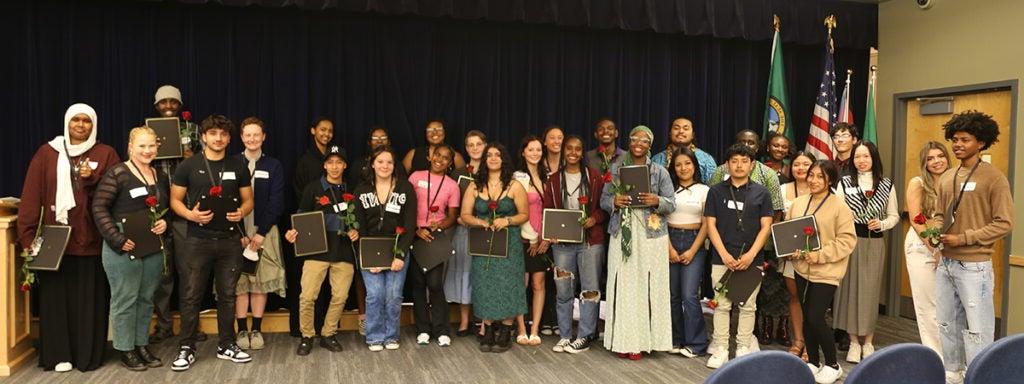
<point x="221" y="194"/>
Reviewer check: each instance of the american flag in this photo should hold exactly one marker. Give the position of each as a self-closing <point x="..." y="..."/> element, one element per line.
<point x="819" y="142"/>
<point x="845" y="115"/>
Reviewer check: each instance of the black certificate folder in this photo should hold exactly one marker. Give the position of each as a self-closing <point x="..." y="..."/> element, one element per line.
<point x="638" y="179"/>
<point x="376" y="252"/>
<point x="312" y="234"/>
<point x="431" y="254"/>
<point x="562" y="225"/>
<point x="220" y="207"/>
<point x="167" y="136"/>
<point x="789" y="236"/>
<point x="139" y="231"/>
<point x="487" y="243"/>
<point x="51" y="251"/>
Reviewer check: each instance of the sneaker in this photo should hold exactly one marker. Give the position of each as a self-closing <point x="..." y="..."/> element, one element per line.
<point x="391" y="345"/>
<point x="560" y="345"/>
<point x="362" y="327"/>
<point x="580" y="345"/>
<point x="674" y="350"/>
<point x="242" y="340"/>
<point x="547" y="330"/>
<point x="828" y="375"/>
<point x="376" y="347"/>
<point x="853" y="354"/>
<point x="63" y="367"/>
<point x="814" y="368"/>
<point x="423" y="339"/>
<point x="444" y="341"/>
<point x="330" y="343"/>
<point x="305" y="346"/>
<point x="866" y="350"/>
<point x="233" y="353"/>
<point x="688" y="352"/>
<point x="256" y="340"/>
<point x="186" y="357"/>
<point x="718" y="357"/>
<point x="743" y="351"/>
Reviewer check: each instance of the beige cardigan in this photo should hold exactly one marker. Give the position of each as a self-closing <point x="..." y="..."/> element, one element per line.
<point x="837" y="235"/>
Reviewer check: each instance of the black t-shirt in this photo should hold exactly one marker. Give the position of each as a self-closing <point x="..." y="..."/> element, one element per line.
<point x="738" y="213"/>
<point x="230" y="173"/>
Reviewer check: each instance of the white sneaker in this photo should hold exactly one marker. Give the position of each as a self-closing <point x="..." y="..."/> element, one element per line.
<point x="743" y="351"/>
<point x="866" y="350"/>
<point x="814" y="368"/>
<point x="560" y="345"/>
<point x="688" y="353"/>
<point x="391" y="345"/>
<point x="63" y="367"/>
<point x="674" y="350"/>
<point x="755" y="345"/>
<point x="828" y="375"/>
<point x="719" y="357"/>
<point x="376" y="347"/>
<point x="853" y="355"/>
<point x="954" y="377"/>
<point x="444" y="341"/>
<point x="423" y="339"/>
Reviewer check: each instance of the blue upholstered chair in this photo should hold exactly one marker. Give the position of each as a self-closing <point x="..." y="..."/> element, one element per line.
<point x="765" y="367"/>
<point x="899" y="364"/>
<point x="1002" y="363"/>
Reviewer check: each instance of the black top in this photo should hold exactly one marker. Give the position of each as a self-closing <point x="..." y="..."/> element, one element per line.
<point x="339" y="247"/>
<point x="378" y="219"/>
<point x="309" y="168"/>
<point x="420" y="161"/>
<point x="120" y="193"/>
<point x="229" y="172"/>
<point x="738" y="224"/>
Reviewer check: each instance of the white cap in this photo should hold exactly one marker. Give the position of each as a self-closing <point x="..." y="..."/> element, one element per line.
<point x="167" y="92"/>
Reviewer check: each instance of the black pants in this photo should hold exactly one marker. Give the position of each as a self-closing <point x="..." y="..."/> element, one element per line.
<point x="162" y="295"/>
<point x="430" y="308"/>
<point x="73" y="313"/>
<point x="815" y="300"/>
<point x="222" y="258"/>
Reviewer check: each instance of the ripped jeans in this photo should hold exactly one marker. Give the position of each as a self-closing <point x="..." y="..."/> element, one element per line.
<point x="580" y="262"/>
<point x="965" y="312"/>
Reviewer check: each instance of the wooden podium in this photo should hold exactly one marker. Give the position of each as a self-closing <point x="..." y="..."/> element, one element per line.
<point x="16" y="320"/>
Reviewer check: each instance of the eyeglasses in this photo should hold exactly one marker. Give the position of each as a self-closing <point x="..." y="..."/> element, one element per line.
<point x="435" y="129"/>
<point x="640" y="140"/>
<point x="842" y="136"/>
<point x="379" y="139"/>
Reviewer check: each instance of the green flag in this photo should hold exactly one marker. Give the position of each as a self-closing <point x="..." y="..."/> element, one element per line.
<point x="870" y="129"/>
<point x="776" y="113"/>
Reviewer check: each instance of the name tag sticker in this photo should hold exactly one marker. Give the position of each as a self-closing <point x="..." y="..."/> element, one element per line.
<point x="340" y="207"/>
<point x="136" y="192"/>
<point x="422" y="184"/>
<point x="393" y="208"/>
<point x="227" y="176"/>
<point x="735" y="205"/>
<point x="970" y="186"/>
<point x="259" y="175"/>
<point x="94" y="164"/>
<point x="852" y="191"/>
<point x="693" y="202"/>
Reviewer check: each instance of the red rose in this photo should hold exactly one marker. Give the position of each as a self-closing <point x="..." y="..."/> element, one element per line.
<point x="25" y="287"/>
<point x="492" y="205"/>
<point x="324" y="201"/>
<point x="869" y="193"/>
<point x="600" y="149"/>
<point x="809" y="231"/>
<point x="712" y="304"/>
<point x="469" y="168"/>
<point x="608" y="177"/>
<point x="186" y="115"/>
<point x="434" y="209"/>
<point x="347" y="197"/>
<point x="215" y="191"/>
<point x="920" y="219"/>
<point x="151" y="201"/>
<point x="399" y="230"/>
<point x="584" y="200"/>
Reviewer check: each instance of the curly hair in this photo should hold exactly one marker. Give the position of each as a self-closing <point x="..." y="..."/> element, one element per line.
<point x="975" y="123"/>
<point x="506" y="167"/>
<point x="216" y="122"/>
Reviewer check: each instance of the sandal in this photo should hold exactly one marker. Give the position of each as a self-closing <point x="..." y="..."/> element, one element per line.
<point x="798" y="349"/>
<point x="522" y="340"/>
<point x="534" y="340"/>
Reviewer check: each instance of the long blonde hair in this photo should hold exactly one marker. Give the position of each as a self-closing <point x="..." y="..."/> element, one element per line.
<point x="134" y="133"/>
<point x="927" y="181"/>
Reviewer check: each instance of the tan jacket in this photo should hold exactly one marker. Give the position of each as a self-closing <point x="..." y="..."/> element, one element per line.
<point x="837" y="235"/>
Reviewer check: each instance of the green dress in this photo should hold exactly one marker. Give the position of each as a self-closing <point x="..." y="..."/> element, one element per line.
<point x="498" y="286"/>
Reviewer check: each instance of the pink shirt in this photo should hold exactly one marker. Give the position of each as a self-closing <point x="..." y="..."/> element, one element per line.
<point x="443" y="193"/>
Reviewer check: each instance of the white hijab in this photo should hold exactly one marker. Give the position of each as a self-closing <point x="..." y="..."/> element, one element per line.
<point x="65" y="199"/>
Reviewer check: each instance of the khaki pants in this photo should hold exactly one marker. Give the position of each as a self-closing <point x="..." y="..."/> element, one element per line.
<point x="745" y="328"/>
<point x="313" y="272"/>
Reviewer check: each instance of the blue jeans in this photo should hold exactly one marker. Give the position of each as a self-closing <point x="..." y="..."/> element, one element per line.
<point x="132" y="283"/>
<point x="383" y="304"/>
<point x="585" y="262"/>
<point x="965" y="312"/>
<point x="688" y="327"/>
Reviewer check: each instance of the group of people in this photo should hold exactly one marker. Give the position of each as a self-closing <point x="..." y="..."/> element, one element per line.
<point x="644" y="257"/>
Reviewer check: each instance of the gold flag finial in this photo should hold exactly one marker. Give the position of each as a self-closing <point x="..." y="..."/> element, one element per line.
<point x="776" y="23"/>
<point x="830" y="23"/>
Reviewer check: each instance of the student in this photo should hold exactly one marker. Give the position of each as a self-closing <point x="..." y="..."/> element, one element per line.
<point x="577" y="187"/>
<point x="309" y="166"/>
<point x="418" y="159"/>
<point x="62" y="178"/>
<point x="607" y="136"/>
<point x="359" y="172"/>
<point x="819" y="272"/>
<point x="261" y="229"/>
<point x="553" y="161"/>
<point x="845" y="136"/>
<point x="778" y="155"/>
<point x="919" y="254"/>
<point x="210" y="250"/>
<point x="739" y="215"/>
<point x="437" y="197"/>
<point x="128" y="187"/>
<point x="976" y="202"/>
<point x="639" y="318"/>
<point x="802" y="162"/>
<point x="532" y="178"/>
<point x="330" y="195"/>
<point x="686" y="231"/>
<point x="457" y="285"/>
<point x="681" y="135"/>
<point x="385" y="206"/>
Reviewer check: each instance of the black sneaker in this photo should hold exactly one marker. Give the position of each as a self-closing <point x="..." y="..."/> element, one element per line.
<point x="186" y="357"/>
<point x="148" y="358"/>
<point x="233" y="353"/>
<point x="330" y="343"/>
<point x="131" y="360"/>
<point x="305" y="346"/>
<point x="581" y="344"/>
